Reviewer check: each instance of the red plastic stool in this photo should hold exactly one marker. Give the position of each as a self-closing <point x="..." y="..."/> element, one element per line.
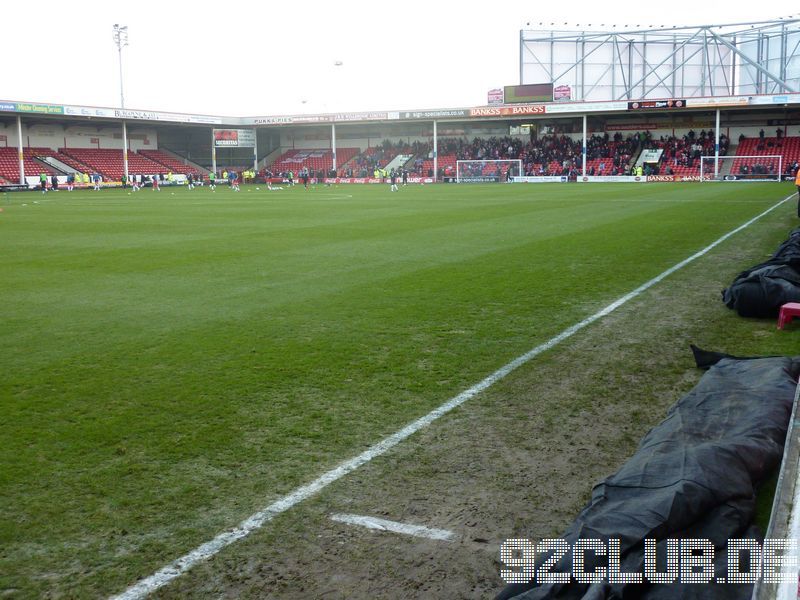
<point x="788" y="312"/>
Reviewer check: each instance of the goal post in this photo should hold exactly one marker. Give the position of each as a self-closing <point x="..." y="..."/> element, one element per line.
<point x="487" y="171"/>
<point x="742" y="168"/>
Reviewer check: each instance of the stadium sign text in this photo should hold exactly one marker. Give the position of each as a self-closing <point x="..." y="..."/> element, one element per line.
<point x="657" y="104"/>
<point x="540" y="179"/>
<point x="688" y="561"/>
<point x="612" y="179"/>
<point x="673" y="178"/>
<point x="136" y="114"/>
<point x="46" y="109"/>
<point x="433" y="114"/>
<point x="235" y="138"/>
<point x="524" y="109"/>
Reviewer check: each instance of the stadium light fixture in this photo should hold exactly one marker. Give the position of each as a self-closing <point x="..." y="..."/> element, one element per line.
<point x="121" y="40"/>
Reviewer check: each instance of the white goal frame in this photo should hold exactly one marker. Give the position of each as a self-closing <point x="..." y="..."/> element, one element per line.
<point x="708" y="174"/>
<point x="503" y="163"/>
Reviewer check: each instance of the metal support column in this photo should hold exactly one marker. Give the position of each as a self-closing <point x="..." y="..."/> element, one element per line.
<point x="435" y="155"/>
<point x="333" y="145"/>
<point x="125" y="150"/>
<point x="19" y="146"/>
<point x="583" y="149"/>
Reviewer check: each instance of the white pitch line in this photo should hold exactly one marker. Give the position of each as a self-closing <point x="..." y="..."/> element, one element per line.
<point x="394" y="526"/>
<point x="205" y="551"/>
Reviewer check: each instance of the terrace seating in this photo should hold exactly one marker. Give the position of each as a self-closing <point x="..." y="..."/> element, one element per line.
<point x="168" y="161"/>
<point x="109" y="162"/>
<point x="9" y="163"/>
<point x="313" y="159"/>
<point x="446" y="162"/>
<point x="787" y="147"/>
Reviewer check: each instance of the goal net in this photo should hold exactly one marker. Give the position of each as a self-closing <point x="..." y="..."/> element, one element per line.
<point x="742" y="168"/>
<point x="482" y="171"/>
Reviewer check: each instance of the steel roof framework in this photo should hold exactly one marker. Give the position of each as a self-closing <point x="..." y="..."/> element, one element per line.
<point x="665" y="62"/>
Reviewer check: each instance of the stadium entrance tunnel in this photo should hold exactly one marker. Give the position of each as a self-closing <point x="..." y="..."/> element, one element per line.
<point x="694" y="477"/>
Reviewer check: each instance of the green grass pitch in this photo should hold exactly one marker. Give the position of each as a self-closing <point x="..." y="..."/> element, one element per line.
<point x="172" y="363"/>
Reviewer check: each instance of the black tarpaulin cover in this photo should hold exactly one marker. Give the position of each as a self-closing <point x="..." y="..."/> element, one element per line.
<point x="761" y="290"/>
<point x="693" y="476"/>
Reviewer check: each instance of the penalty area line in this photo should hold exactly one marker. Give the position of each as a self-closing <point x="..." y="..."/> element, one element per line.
<point x="385" y="525"/>
<point x="181" y="565"/>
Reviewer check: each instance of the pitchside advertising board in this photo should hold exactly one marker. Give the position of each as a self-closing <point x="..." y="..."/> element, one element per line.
<point x="234" y="138"/>
<point x="540" y="179"/>
<point x="613" y="179"/>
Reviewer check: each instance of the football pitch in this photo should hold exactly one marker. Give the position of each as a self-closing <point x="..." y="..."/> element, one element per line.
<point x="174" y="362"/>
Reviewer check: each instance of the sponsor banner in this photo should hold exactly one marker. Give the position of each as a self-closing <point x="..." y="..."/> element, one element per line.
<point x="272" y="120"/>
<point x="86" y="111"/>
<point x="657" y="104"/>
<point x="497" y="111"/>
<point x="613" y="179"/>
<point x="361" y="116"/>
<point x="562" y="93"/>
<point x="292" y="120"/>
<point x="676" y="178"/>
<point x="332" y="180"/>
<point x="782" y="99"/>
<point x="574" y="107"/>
<point x="635" y="127"/>
<point x="327" y="118"/>
<point x="479" y="179"/>
<point x="145" y="115"/>
<point x="718" y="101"/>
<point x="177" y="117"/>
<point x="494" y="96"/>
<point x="434" y="114"/>
<point x="651" y="155"/>
<point x="234" y="138"/>
<point x="542" y="179"/>
<point x="42" y="109"/>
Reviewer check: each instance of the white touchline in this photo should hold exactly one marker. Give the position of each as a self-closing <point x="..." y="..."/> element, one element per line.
<point x="394" y="526"/>
<point x="180" y="565"/>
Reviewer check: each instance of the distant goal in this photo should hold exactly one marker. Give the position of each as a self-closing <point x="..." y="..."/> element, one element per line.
<point x="742" y="168"/>
<point x="487" y="171"/>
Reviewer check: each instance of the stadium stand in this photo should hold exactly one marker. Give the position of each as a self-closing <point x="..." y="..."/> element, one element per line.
<point x="9" y="163"/>
<point x="109" y="162"/>
<point x="787" y="147"/>
<point x="313" y="159"/>
<point x="682" y="154"/>
<point x="168" y="161"/>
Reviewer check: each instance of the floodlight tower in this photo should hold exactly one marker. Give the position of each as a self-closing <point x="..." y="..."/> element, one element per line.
<point x="336" y="65"/>
<point x="121" y="40"/>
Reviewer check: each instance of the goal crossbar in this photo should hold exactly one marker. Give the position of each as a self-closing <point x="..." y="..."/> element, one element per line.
<point x="759" y="167"/>
<point x="487" y="170"/>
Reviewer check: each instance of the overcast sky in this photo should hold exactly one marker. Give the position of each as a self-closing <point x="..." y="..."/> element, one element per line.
<point x="267" y="58"/>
